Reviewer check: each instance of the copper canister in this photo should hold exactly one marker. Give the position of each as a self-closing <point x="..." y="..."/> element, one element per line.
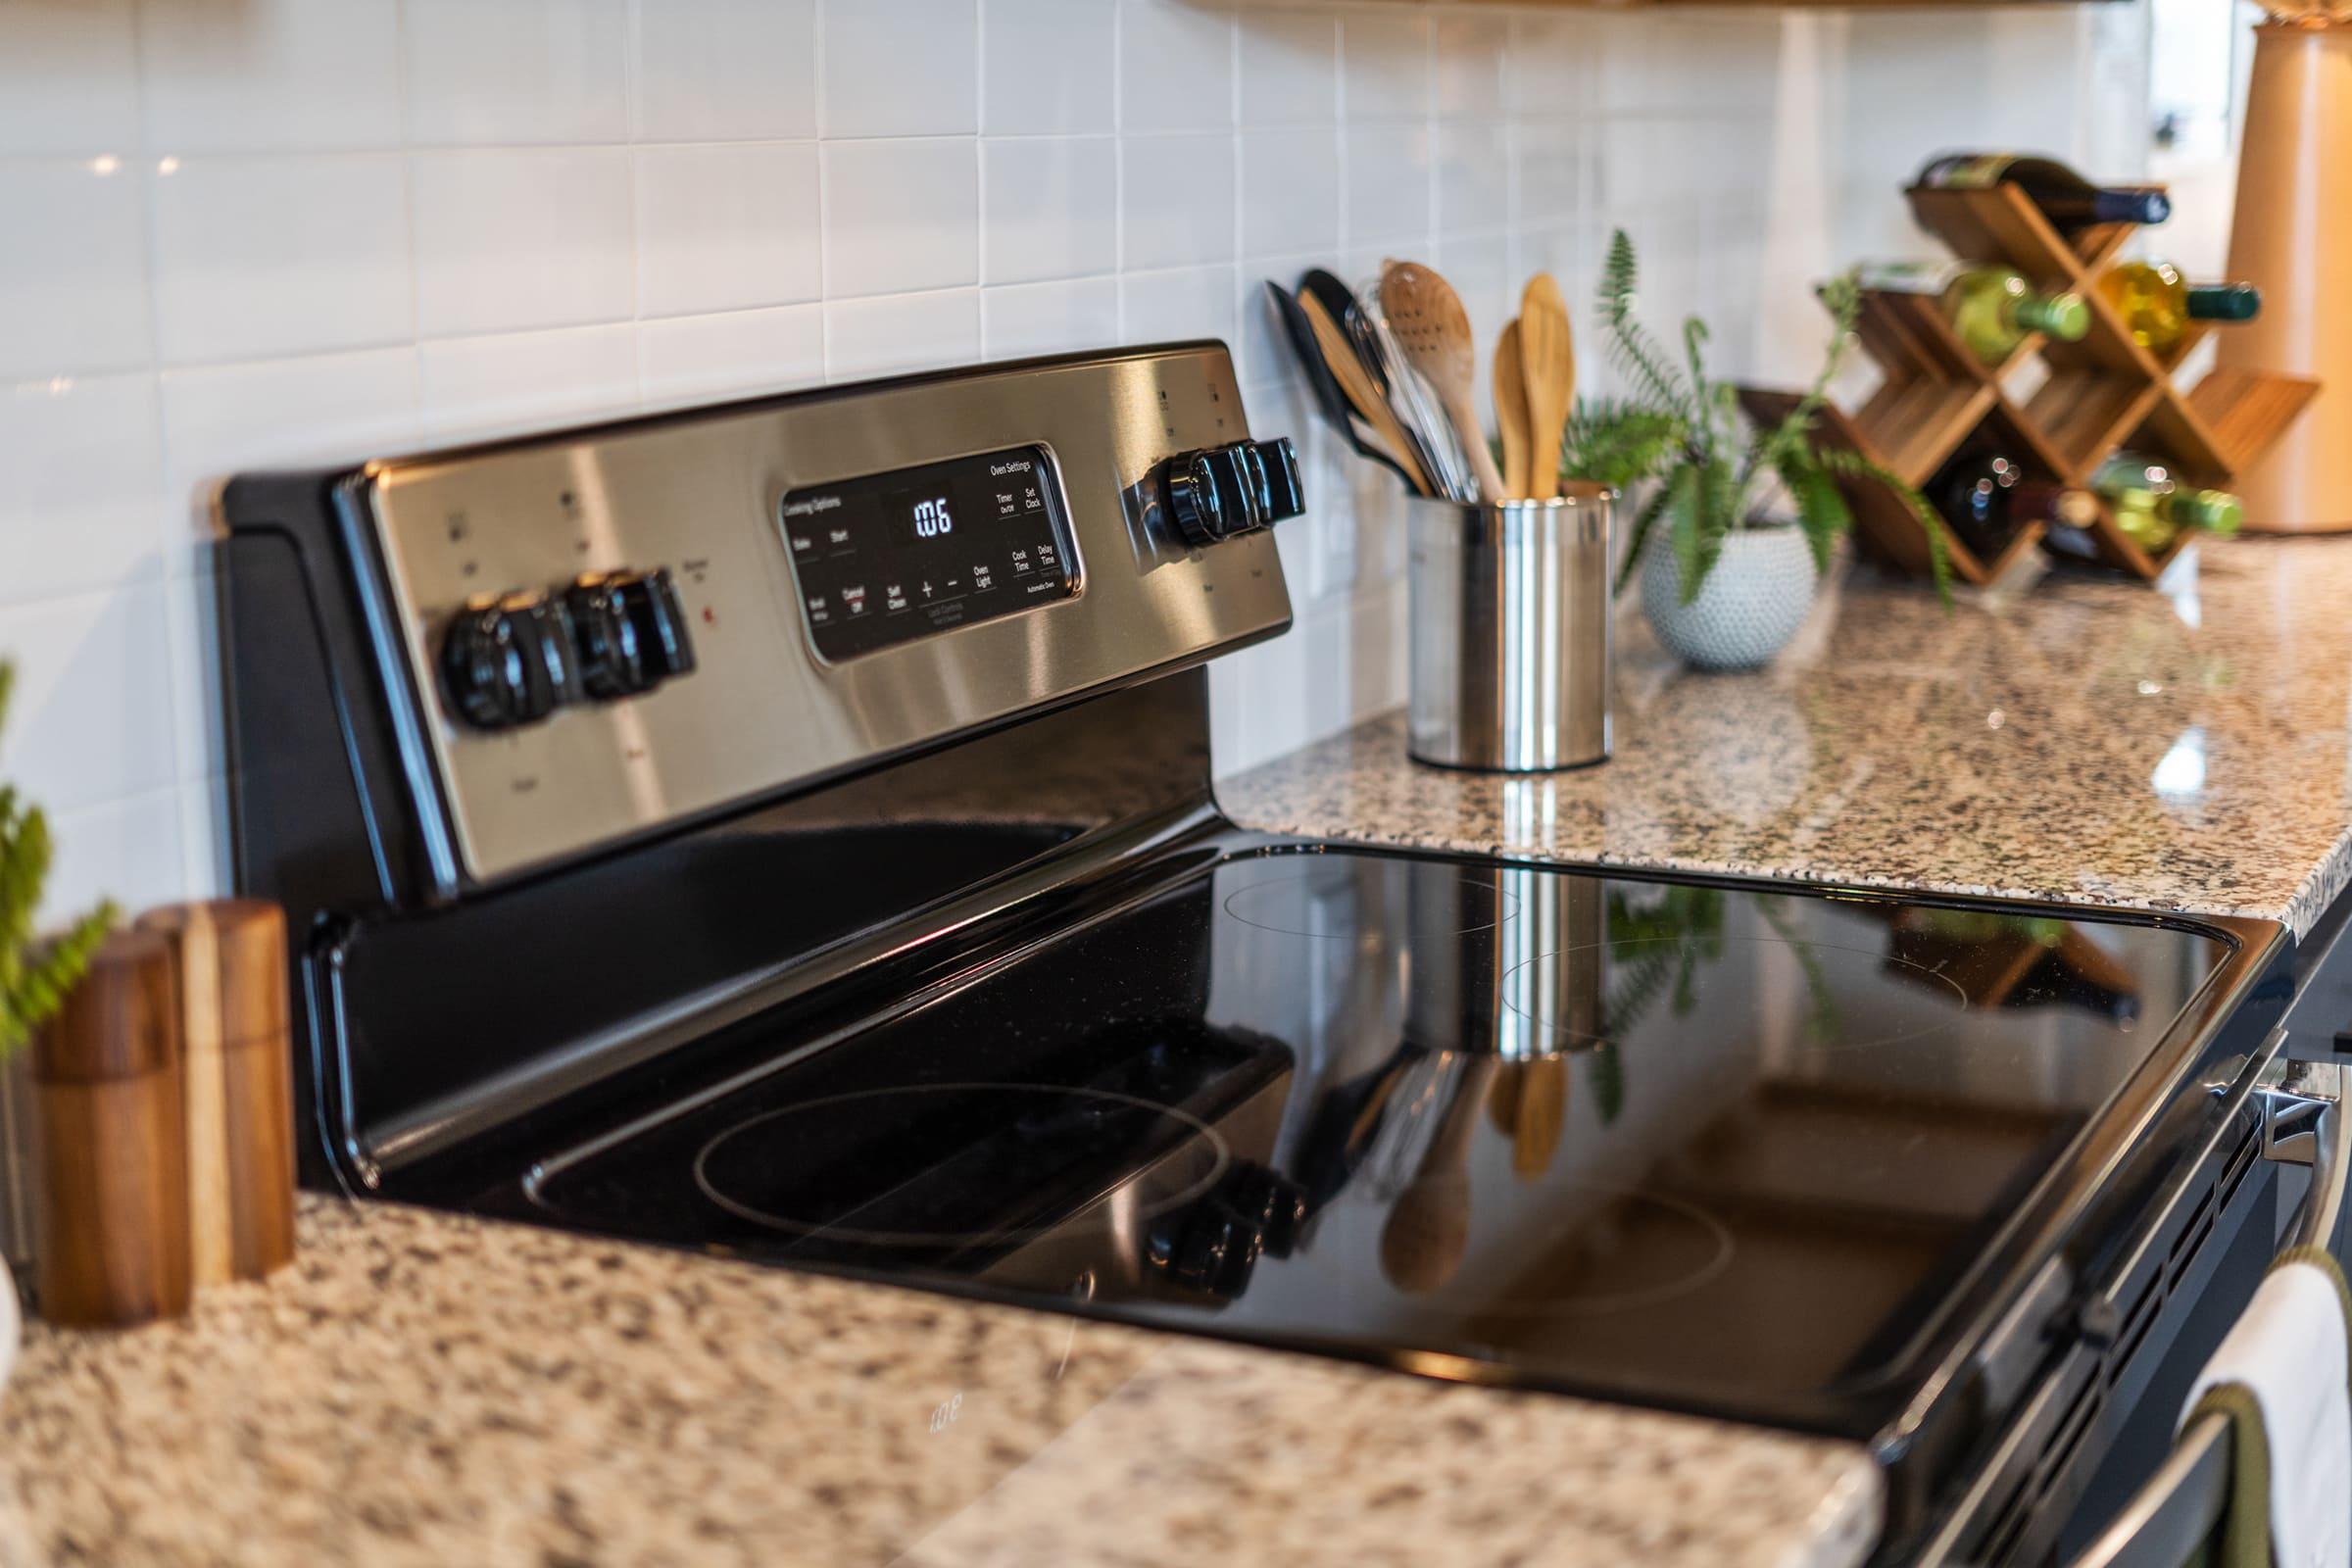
<point x="111" y="1204"/>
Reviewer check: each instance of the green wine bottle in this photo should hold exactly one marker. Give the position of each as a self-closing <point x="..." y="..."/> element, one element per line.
<point x="1992" y="308"/>
<point x="2153" y="507"/>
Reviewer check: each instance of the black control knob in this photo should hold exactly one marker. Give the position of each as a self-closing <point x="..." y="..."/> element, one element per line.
<point x="505" y="661"/>
<point x="1219" y="492"/>
<point x="629" y="631"/>
<point x="1278" y="461"/>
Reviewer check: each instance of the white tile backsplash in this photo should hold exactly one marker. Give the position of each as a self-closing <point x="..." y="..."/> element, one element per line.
<point x="1048" y="67"/>
<point x="1389" y="193"/>
<point x="1048" y="208"/>
<point x="247" y="233"/>
<point x="270" y="76"/>
<point x="1289" y="190"/>
<point x="700" y="358"/>
<point x="82" y="467"/>
<point x="1385" y="64"/>
<point x="902" y="216"/>
<point x="259" y="257"/>
<point x="73" y="74"/>
<point x="518" y="378"/>
<point x="73" y="266"/>
<point x="727" y="227"/>
<point x="90" y="719"/>
<point x="1025" y="318"/>
<point x="1176" y="68"/>
<point x="515" y="70"/>
<point x="522" y="238"/>
<point x="1291" y="69"/>
<point x="726" y="70"/>
<point x="907" y="332"/>
<point x="1176" y="199"/>
<point x="901" y="68"/>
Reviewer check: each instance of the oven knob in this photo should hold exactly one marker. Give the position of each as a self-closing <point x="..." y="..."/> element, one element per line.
<point x="1283" y="495"/>
<point x="651" y="602"/>
<point x="629" y="631"/>
<point x="1222" y="491"/>
<point x="1206" y="497"/>
<point x="505" y="659"/>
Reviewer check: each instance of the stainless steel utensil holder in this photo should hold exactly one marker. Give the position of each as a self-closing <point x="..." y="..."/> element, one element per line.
<point x="1511" y="632"/>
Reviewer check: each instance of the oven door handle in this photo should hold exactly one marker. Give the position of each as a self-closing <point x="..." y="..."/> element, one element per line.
<point x="2172" y="1518"/>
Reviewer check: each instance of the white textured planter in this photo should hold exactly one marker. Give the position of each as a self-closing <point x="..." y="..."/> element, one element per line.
<point x="12" y="1324"/>
<point x="1748" y="607"/>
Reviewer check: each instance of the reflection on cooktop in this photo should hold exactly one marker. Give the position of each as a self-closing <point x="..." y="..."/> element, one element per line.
<point x="1714" y="1147"/>
<point x="948" y="1165"/>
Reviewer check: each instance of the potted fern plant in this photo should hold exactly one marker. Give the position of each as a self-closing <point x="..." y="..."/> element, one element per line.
<point x="35" y="976"/>
<point x="1731" y="543"/>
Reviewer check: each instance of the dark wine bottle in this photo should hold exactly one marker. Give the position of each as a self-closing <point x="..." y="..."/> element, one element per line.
<point x="1972" y="493"/>
<point x="2066" y="198"/>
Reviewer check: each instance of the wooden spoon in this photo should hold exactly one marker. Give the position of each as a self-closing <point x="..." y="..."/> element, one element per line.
<point x="1547" y="349"/>
<point x="1428" y="1230"/>
<point x="1543" y="1113"/>
<point x="1510" y="411"/>
<point x="1349" y="372"/>
<point x="1429" y="322"/>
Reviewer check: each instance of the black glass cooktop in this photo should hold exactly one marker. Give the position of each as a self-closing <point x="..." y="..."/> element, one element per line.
<point x="1715" y="1148"/>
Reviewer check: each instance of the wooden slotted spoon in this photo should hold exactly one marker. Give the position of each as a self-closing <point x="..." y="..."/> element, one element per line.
<point x="1427" y="321"/>
<point x="1510" y="413"/>
<point x="1548" y="351"/>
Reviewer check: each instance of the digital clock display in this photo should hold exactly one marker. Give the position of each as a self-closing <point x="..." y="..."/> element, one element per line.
<point x="889" y="558"/>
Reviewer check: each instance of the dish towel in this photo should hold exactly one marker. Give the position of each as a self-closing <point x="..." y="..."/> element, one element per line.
<point x="2280" y="1378"/>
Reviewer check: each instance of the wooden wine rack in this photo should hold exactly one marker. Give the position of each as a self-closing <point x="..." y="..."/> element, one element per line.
<point x="2104" y="393"/>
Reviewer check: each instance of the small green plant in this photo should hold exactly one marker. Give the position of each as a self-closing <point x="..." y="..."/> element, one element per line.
<point x="1711" y="463"/>
<point x="34" y="979"/>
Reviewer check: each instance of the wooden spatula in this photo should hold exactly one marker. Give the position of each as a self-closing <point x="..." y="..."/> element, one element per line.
<point x="1429" y="322"/>
<point x="1349" y="372"/>
<point x="1547" y="350"/>
<point x="1510" y="411"/>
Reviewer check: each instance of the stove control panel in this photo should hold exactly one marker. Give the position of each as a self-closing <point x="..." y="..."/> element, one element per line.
<point x="891" y="557"/>
<point x="612" y="630"/>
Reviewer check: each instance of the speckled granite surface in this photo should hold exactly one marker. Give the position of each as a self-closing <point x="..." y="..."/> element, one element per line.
<point x="2088" y="741"/>
<point x="431" y="1390"/>
<point x="423" y="1389"/>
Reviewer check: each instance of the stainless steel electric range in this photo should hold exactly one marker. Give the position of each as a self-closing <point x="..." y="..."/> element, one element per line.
<point x="785" y="830"/>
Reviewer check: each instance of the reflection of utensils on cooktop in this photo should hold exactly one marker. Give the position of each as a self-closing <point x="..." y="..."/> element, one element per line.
<point x="1428" y="1229"/>
<point x="1543" y="1111"/>
<point x="982" y="1163"/>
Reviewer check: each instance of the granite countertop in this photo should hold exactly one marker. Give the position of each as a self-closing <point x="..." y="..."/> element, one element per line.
<point x="421" y="1387"/>
<point x="2090" y="741"/>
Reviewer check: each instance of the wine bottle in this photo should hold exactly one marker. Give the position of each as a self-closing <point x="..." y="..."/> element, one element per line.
<point x="2153" y="507"/>
<point x="2066" y="198"/>
<point x="2157" y="303"/>
<point x="1991" y="308"/>
<point x="1972" y="493"/>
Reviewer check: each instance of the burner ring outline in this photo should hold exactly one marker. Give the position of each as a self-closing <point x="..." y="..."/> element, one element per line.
<point x="1220" y="1161"/>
